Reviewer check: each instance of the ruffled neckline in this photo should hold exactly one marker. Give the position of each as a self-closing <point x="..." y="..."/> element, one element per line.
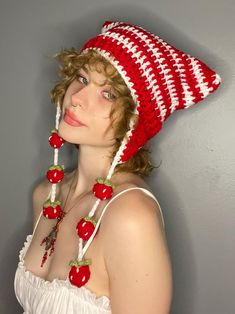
<point x="83" y="292"/>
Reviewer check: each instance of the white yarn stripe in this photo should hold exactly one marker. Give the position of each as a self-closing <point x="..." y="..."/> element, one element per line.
<point x="217" y="79"/>
<point x="58" y="112"/>
<point x="80" y="247"/>
<point x="56" y="154"/>
<point x="109" y="26"/>
<point x="144" y="66"/>
<point x="198" y="72"/>
<point x="93" y="210"/>
<point x="122" y="147"/>
<point x="53" y="192"/>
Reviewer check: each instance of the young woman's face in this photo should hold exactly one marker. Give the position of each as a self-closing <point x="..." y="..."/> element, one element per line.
<point x="91" y="104"/>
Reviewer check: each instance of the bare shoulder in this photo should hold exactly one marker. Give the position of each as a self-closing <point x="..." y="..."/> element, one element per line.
<point x="136" y="255"/>
<point x="133" y="204"/>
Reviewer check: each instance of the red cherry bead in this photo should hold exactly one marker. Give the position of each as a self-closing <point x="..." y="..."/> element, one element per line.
<point x="55" y="140"/>
<point x="85" y="228"/>
<point x="52" y="210"/>
<point x="103" y="189"/>
<point x="79" y="273"/>
<point x="55" y="173"/>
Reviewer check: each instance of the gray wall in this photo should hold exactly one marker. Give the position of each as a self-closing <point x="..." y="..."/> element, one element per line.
<point x="195" y="183"/>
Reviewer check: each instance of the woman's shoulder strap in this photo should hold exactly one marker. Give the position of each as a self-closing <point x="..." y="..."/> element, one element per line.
<point x="106" y="206"/>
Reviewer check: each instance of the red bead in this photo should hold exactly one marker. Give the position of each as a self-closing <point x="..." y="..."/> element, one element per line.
<point x="85" y="228"/>
<point x="78" y="276"/>
<point x="102" y="191"/>
<point x="55" y="140"/>
<point x="55" y="174"/>
<point x="52" y="210"/>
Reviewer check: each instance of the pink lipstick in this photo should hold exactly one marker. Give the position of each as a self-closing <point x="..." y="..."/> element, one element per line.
<point x="71" y="119"/>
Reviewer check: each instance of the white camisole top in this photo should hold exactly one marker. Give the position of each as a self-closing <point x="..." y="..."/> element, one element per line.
<point x="39" y="296"/>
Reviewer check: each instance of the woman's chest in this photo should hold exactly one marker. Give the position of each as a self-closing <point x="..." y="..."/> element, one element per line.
<point x="66" y="248"/>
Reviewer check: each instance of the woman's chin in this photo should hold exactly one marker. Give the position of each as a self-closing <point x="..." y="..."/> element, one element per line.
<point x="64" y="133"/>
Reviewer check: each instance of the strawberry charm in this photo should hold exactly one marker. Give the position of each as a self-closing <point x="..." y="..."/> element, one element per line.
<point x="80" y="272"/>
<point x="85" y="227"/>
<point x="103" y="189"/>
<point x="55" y="140"/>
<point x="55" y="173"/>
<point x="52" y="210"/>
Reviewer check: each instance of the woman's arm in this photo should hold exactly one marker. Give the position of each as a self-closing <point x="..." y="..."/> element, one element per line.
<point x="136" y="256"/>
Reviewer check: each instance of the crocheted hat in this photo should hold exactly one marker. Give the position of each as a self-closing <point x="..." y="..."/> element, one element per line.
<point x="161" y="79"/>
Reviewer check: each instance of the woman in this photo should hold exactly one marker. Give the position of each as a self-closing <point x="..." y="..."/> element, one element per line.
<point x="98" y="244"/>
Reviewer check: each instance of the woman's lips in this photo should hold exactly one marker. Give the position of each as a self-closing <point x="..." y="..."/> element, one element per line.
<point x="70" y="120"/>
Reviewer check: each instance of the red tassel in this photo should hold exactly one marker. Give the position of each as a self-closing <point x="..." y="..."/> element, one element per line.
<point x="44" y="259"/>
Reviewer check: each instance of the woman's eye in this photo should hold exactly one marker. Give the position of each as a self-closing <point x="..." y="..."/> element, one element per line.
<point x="81" y="79"/>
<point x="110" y="96"/>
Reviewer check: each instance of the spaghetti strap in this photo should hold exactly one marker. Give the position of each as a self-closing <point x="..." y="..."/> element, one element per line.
<point x="39" y="217"/>
<point x="106" y="206"/>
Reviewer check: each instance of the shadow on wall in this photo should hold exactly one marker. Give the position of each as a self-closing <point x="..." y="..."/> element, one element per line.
<point x="178" y="237"/>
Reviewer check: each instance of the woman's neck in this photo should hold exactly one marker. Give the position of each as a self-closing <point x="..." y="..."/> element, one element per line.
<point x="93" y="162"/>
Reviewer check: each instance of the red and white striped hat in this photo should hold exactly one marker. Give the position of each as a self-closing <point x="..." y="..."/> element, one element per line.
<point x="160" y="77"/>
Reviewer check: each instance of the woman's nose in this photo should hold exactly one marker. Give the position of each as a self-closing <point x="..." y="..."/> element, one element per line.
<point x="78" y="98"/>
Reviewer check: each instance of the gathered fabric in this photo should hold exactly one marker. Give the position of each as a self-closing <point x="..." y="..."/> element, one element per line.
<point x="39" y="296"/>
